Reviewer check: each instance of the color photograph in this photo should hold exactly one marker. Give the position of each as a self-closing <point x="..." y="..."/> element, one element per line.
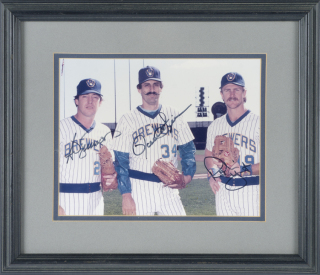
<point x="174" y="137"/>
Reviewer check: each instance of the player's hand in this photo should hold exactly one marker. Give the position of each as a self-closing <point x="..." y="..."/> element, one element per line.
<point x="235" y="169"/>
<point x="110" y="179"/>
<point x="217" y="162"/>
<point x="214" y="184"/>
<point x="211" y="161"/>
<point x="128" y="205"/>
<point x="61" y="211"/>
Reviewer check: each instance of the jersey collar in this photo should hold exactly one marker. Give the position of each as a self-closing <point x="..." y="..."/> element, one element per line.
<point x="84" y="128"/>
<point x="238" y="120"/>
<point x="148" y="114"/>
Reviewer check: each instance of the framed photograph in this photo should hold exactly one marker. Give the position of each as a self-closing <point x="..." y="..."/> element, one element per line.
<point x="150" y="139"/>
<point x="49" y="48"/>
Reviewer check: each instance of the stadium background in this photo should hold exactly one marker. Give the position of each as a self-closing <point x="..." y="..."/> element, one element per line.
<point x="186" y="81"/>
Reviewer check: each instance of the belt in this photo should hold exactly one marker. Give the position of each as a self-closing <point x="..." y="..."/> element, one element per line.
<point x="79" y="187"/>
<point x="143" y="176"/>
<point x="245" y="181"/>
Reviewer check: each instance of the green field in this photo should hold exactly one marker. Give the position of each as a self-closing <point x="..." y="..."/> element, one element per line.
<point x="197" y="197"/>
<point x="112" y="203"/>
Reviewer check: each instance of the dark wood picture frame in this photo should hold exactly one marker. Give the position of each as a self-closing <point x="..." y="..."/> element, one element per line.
<point x="13" y="12"/>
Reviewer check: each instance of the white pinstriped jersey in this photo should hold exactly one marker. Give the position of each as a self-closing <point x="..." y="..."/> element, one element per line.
<point x="137" y="138"/>
<point x="245" y="133"/>
<point x="79" y="166"/>
<point x="139" y="126"/>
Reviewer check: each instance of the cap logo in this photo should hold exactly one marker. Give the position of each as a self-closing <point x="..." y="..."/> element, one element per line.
<point x="91" y="83"/>
<point x="231" y="77"/>
<point x="150" y="72"/>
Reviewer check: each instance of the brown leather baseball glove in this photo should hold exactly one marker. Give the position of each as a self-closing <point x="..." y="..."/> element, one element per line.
<point x="225" y="151"/>
<point x="107" y="168"/>
<point x="168" y="174"/>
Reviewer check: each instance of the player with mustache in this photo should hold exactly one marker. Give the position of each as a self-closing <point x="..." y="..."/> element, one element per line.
<point x="240" y="194"/>
<point x="143" y="193"/>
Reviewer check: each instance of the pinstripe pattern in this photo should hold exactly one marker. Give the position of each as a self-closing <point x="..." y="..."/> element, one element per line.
<point x="82" y="168"/>
<point x="245" y="133"/>
<point x="151" y="197"/>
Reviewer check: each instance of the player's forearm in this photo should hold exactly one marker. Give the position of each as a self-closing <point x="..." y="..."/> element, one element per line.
<point x="208" y="159"/>
<point x="61" y="211"/>
<point x="187" y="179"/>
<point x="126" y="195"/>
<point x="255" y="169"/>
<point x="128" y="205"/>
<point x="187" y="153"/>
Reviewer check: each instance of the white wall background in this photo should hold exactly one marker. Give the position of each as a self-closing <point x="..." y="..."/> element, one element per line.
<point x="182" y="79"/>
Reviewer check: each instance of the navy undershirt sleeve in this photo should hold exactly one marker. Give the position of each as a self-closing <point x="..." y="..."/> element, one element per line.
<point x="187" y="153"/>
<point x="121" y="166"/>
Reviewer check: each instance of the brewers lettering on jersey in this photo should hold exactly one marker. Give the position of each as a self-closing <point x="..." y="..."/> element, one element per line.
<point x="149" y="132"/>
<point x="241" y="195"/>
<point x="81" y="137"/>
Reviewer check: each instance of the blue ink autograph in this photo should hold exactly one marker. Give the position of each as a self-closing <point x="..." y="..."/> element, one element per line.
<point x="159" y="132"/>
<point x="84" y="147"/>
<point x="223" y="168"/>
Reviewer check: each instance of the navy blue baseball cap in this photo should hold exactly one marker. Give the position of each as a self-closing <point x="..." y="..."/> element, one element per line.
<point x="89" y="85"/>
<point x="232" y="78"/>
<point x="149" y="73"/>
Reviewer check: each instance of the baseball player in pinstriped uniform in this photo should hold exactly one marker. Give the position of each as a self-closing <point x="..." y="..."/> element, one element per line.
<point x="147" y="134"/>
<point x="240" y="194"/>
<point x="81" y="137"/>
